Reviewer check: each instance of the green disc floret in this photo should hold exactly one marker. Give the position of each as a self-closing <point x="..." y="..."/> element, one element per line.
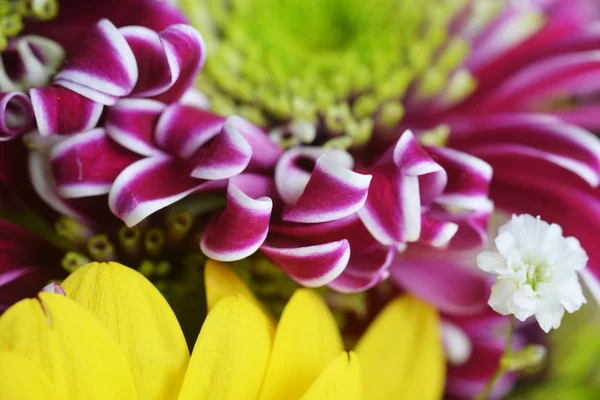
<point x="342" y="65"/>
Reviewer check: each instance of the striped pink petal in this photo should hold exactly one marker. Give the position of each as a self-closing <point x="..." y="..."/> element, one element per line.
<point x="131" y="123"/>
<point x="61" y="111"/>
<point x="227" y="156"/>
<point x="167" y="61"/>
<point x="402" y="179"/>
<point x="16" y="115"/>
<point x="185" y="52"/>
<point x="574" y="148"/>
<point x="294" y="168"/>
<point x="411" y="158"/>
<point x="76" y="17"/>
<point x="88" y="163"/>
<point x="332" y="192"/>
<point x="468" y="179"/>
<point x="536" y="84"/>
<point x="311" y="266"/>
<point x="349" y="282"/>
<point x="265" y="152"/>
<point x="240" y="230"/>
<point x="154" y="75"/>
<point x="182" y="129"/>
<point x="437" y="233"/>
<point x="103" y="68"/>
<point x="392" y="212"/>
<point x="472" y="226"/>
<point x="365" y="269"/>
<point x="152" y="184"/>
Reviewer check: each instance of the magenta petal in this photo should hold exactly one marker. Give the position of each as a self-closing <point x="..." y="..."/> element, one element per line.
<point x="472" y="227"/>
<point x="103" y="68"/>
<point x="351" y="283"/>
<point x="536" y="136"/>
<point x="61" y="111"/>
<point x="437" y="233"/>
<point x="468" y="179"/>
<point x="227" y="156"/>
<point x="240" y="230"/>
<point x="452" y="288"/>
<point x="156" y="15"/>
<point x="411" y="158"/>
<point x="16" y="115"/>
<point x="365" y="269"/>
<point x="88" y="163"/>
<point x="26" y="263"/>
<point x="311" y="266"/>
<point x="182" y="129"/>
<point x="185" y="51"/>
<point x="392" y="212"/>
<point x="533" y="85"/>
<point x="153" y="67"/>
<point x="469" y="380"/>
<point x="76" y="18"/>
<point x="294" y="167"/>
<point x="152" y="184"/>
<point x="333" y="192"/>
<point x="131" y="123"/>
<point x="265" y="152"/>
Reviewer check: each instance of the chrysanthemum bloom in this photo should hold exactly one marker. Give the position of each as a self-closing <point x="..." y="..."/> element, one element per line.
<point x="325" y="216"/>
<point x="478" y="73"/>
<point x="536" y="271"/>
<point x="132" y="347"/>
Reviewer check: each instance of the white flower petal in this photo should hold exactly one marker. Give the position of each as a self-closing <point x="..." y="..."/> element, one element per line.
<point x="491" y="262"/>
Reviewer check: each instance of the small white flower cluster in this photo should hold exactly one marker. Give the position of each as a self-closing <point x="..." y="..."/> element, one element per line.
<point x="536" y="268"/>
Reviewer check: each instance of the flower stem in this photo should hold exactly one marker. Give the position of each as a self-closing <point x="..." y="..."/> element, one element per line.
<point x="485" y="394"/>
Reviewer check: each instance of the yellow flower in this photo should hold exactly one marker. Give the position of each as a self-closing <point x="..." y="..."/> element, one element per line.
<point x="115" y="337"/>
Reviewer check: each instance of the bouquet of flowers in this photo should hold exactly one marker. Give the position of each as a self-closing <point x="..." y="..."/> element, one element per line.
<point x="299" y="199"/>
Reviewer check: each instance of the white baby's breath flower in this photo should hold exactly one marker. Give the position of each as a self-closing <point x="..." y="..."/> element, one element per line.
<point x="536" y="268"/>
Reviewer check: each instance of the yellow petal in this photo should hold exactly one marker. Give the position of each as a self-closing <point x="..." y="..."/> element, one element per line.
<point x="230" y="355"/>
<point x="69" y="346"/>
<point x="22" y="380"/>
<point x="306" y="341"/>
<point x="340" y="381"/>
<point x="221" y="281"/>
<point x="401" y="354"/>
<point x="140" y="320"/>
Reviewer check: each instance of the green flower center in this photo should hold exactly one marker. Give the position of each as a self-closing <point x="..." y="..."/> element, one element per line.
<point x="12" y="13"/>
<point x="340" y="66"/>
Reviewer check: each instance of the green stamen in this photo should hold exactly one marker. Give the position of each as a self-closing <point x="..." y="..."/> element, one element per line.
<point x="178" y="227"/>
<point x="73" y="261"/>
<point x="101" y="248"/>
<point x="146" y="268"/>
<point x="437" y="136"/>
<point x="154" y="241"/>
<point x="341" y="64"/>
<point x="12" y="13"/>
<point x="163" y="268"/>
<point x="129" y="239"/>
<point x="72" y="230"/>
